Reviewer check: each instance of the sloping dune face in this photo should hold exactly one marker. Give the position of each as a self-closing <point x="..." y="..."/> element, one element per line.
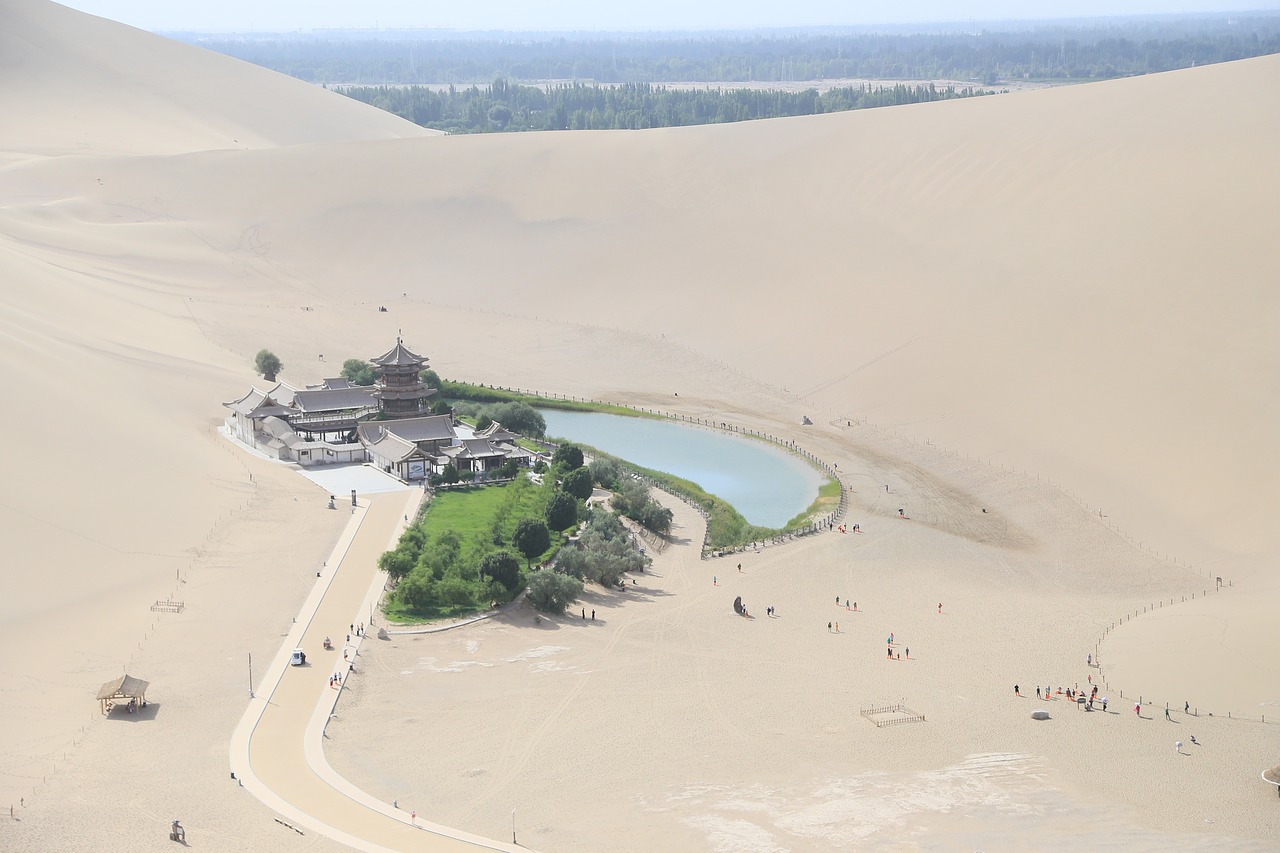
<point x="1071" y="281"/>
<point x="86" y="85"/>
<point x="1075" y="282"/>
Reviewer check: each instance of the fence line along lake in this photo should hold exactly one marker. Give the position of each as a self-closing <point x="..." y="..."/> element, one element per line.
<point x="767" y="485"/>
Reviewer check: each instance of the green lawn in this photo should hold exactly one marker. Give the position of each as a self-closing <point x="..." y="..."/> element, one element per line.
<point x="485" y="518"/>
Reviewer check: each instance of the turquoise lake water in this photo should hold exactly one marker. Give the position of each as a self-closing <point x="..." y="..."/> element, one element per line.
<point x="767" y="485"/>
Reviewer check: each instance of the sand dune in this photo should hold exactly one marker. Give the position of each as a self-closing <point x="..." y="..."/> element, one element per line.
<point x="1072" y="283"/>
<point x="86" y="85"/>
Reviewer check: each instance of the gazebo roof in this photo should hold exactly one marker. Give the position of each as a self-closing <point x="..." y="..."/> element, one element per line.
<point x="399" y="356"/>
<point x="125" y="685"/>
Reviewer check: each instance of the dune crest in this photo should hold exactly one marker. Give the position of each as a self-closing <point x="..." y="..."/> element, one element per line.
<point x="87" y="85"/>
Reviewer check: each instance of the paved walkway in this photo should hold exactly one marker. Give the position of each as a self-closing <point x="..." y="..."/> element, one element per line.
<point x="277" y="750"/>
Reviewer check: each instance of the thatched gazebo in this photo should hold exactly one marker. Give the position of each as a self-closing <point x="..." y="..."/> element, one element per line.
<point x="1272" y="776"/>
<point x="125" y="688"/>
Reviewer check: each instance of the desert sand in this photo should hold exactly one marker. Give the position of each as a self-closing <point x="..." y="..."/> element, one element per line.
<point x="1055" y="305"/>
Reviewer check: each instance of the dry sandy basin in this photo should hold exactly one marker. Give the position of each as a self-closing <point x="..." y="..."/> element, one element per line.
<point x="670" y="722"/>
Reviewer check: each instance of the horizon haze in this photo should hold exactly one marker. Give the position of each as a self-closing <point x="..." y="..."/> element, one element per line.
<point x="579" y="15"/>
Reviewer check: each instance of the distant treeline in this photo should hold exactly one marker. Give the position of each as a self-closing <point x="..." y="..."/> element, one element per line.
<point x="504" y="106"/>
<point x="986" y="54"/>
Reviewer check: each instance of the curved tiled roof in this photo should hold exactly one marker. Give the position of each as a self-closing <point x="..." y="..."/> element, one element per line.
<point x="334" y="399"/>
<point x="399" y="356"/>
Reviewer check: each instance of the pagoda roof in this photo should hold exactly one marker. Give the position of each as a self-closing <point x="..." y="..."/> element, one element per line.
<point x="399" y="356"/>
<point x="334" y="399"/>
<point x="428" y="428"/>
<point x="474" y="448"/>
<point x="257" y="404"/>
<point x="387" y="444"/>
<point x="515" y="451"/>
<point x="496" y="432"/>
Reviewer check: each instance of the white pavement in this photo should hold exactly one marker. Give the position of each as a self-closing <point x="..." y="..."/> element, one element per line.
<point x="277" y="750"/>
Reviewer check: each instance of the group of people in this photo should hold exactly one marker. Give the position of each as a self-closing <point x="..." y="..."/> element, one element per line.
<point x="1072" y="695"/>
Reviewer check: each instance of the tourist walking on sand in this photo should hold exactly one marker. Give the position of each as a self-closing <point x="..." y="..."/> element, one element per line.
<point x="1015" y="690"/>
<point x="1137" y="708"/>
<point x="828" y="627"/>
<point x="1177" y="745"/>
<point x="1038" y="691"/>
<point x="908" y="653"/>
<point x="939" y="606"/>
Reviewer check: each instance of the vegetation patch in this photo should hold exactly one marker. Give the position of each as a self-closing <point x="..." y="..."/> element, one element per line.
<point x="445" y="563"/>
<point x="486" y="394"/>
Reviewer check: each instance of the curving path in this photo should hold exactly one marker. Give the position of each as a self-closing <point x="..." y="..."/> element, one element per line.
<point x="277" y="749"/>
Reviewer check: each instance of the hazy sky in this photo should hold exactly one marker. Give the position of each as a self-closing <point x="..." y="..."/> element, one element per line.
<point x="281" y="15"/>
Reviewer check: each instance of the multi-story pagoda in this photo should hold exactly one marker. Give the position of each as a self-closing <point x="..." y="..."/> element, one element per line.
<point x="399" y="388"/>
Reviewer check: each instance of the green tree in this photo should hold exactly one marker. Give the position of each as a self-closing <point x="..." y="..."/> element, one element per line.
<point x="578" y="483"/>
<point x="441" y="554"/>
<point x="531" y="538"/>
<point x="441" y="407"/>
<point x="268" y="364"/>
<point x="417" y="591"/>
<point x="568" y="456"/>
<point x="519" y="417"/>
<point x="358" y="372"/>
<point x="483" y="422"/>
<point x="503" y="567"/>
<point x="604" y="472"/>
<point x="551" y="591"/>
<point x="656" y="517"/>
<point x="430" y="378"/>
<point x="454" y="591"/>
<point x="562" y="511"/>
<point x="397" y="563"/>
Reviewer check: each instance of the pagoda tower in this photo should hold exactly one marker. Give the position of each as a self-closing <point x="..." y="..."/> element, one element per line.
<point x="399" y="388"/>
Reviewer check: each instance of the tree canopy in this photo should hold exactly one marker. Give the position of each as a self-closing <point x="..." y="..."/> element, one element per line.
<point x="268" y="364"/>
<point x="503" y="567"/>
<point x="358" y="372"/>
<point x="578" y="483"/>
<point x="562" y="511"/>
<point x="531" y="538"/>
<point x="568" y="456"/>
<point x="551" y="591"/>
<point x="1090" y="48"/>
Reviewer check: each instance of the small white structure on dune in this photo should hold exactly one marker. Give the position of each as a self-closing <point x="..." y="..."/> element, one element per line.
<point x="384" y="424"/>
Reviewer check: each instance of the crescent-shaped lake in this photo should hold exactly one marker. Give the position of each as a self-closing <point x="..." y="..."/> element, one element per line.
<point x="767" y="485"/>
